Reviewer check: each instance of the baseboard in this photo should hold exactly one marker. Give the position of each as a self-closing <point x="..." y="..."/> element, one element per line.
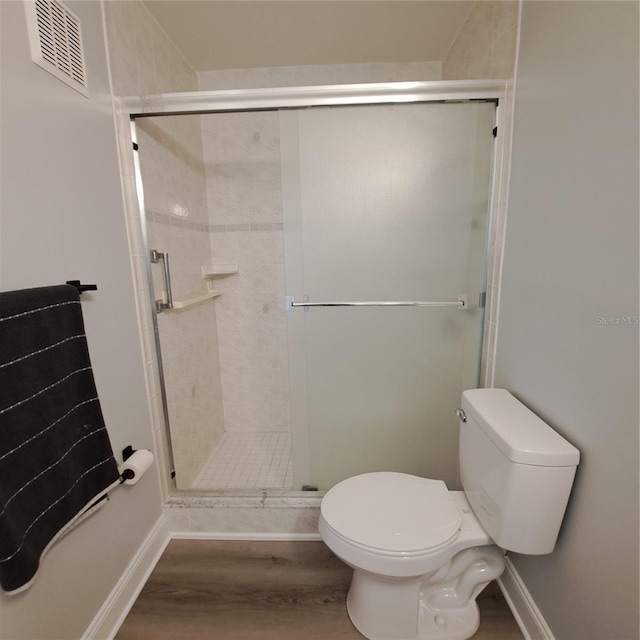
<point x="116" y="607"/>
<point x="206" y="535"/>
<point x="524" y="609"/>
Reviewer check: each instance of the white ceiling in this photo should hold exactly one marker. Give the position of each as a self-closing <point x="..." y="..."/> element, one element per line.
<point x="236" y="34"/>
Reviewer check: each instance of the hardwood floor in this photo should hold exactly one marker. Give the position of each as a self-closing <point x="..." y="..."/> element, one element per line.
<point x="235" y="590"/>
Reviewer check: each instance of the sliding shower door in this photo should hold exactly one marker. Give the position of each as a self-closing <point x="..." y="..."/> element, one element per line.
<point x="383" y="203"/>
<point x="377" y="203"/>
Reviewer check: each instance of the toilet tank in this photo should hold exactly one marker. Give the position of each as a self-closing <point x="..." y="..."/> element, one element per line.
<point x="517" y="472"/>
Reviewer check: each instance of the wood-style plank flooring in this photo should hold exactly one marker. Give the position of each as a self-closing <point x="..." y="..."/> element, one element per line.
<point x="236" y="590"/>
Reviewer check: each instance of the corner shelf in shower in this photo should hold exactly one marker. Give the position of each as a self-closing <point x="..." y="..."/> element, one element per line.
<point x="219" y="270"/>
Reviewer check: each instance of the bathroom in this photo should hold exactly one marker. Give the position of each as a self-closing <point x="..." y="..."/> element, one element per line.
<point x="548" y="348"/>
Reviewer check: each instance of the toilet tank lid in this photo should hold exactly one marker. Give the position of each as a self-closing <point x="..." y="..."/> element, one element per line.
<point x="518" y="432"/>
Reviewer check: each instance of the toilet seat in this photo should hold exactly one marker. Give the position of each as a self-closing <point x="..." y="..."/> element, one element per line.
<point x="392" y="514"/>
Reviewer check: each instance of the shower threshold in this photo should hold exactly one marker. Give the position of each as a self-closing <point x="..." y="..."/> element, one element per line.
<point x="248" y="460"/>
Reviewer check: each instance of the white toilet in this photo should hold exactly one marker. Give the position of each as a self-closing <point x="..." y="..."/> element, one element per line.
<point x="421" y="554"/>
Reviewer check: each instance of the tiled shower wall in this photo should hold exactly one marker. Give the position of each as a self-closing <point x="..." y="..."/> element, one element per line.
<point x="143" y="60"/>
<point x="242" y="160"/>
<point x="319" y="75"/>
<point x="486" y="45"/>
<point x="172" y="169"/>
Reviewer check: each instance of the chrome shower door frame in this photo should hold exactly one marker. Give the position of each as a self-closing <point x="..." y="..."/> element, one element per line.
<point x="246" y="100"/>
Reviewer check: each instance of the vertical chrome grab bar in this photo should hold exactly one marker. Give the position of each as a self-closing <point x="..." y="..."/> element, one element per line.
<point x="157" y="256"/>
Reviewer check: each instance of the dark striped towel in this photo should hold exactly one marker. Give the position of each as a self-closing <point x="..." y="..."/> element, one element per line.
<point x="55" y="457"/>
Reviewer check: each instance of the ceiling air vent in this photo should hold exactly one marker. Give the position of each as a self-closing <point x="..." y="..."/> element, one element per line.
<point x="56" y="42"/>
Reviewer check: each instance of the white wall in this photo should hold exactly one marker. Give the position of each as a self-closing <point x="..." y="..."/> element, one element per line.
<point x="62" y="218"/>
<point x="571" y="264"/>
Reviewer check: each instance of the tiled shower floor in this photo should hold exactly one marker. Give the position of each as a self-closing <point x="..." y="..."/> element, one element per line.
<point x="248" y="461"/>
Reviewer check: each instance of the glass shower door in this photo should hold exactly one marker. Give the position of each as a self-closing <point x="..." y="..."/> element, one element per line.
<point x="383" y="203"/>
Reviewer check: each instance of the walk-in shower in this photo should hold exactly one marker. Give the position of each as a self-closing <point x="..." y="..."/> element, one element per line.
<point x="317" y="258"/>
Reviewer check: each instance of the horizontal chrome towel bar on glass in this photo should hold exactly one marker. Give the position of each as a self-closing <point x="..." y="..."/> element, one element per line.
<point x="460" y="303"/>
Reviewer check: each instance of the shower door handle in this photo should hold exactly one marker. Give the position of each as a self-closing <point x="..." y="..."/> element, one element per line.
<point x="167" y="303"/>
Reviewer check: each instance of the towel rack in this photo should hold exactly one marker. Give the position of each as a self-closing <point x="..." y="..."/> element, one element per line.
<point x="82" y="287"/>
<point x="460" y="303"/>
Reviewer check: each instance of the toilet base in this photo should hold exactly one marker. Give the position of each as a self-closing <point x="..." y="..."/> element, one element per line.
<point x="440" y="606"/>
<point x="456" y="624"/>
<point x="383" y="608"/>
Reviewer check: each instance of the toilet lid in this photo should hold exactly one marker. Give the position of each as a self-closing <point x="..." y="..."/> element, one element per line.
<point x="392" y="512"/>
